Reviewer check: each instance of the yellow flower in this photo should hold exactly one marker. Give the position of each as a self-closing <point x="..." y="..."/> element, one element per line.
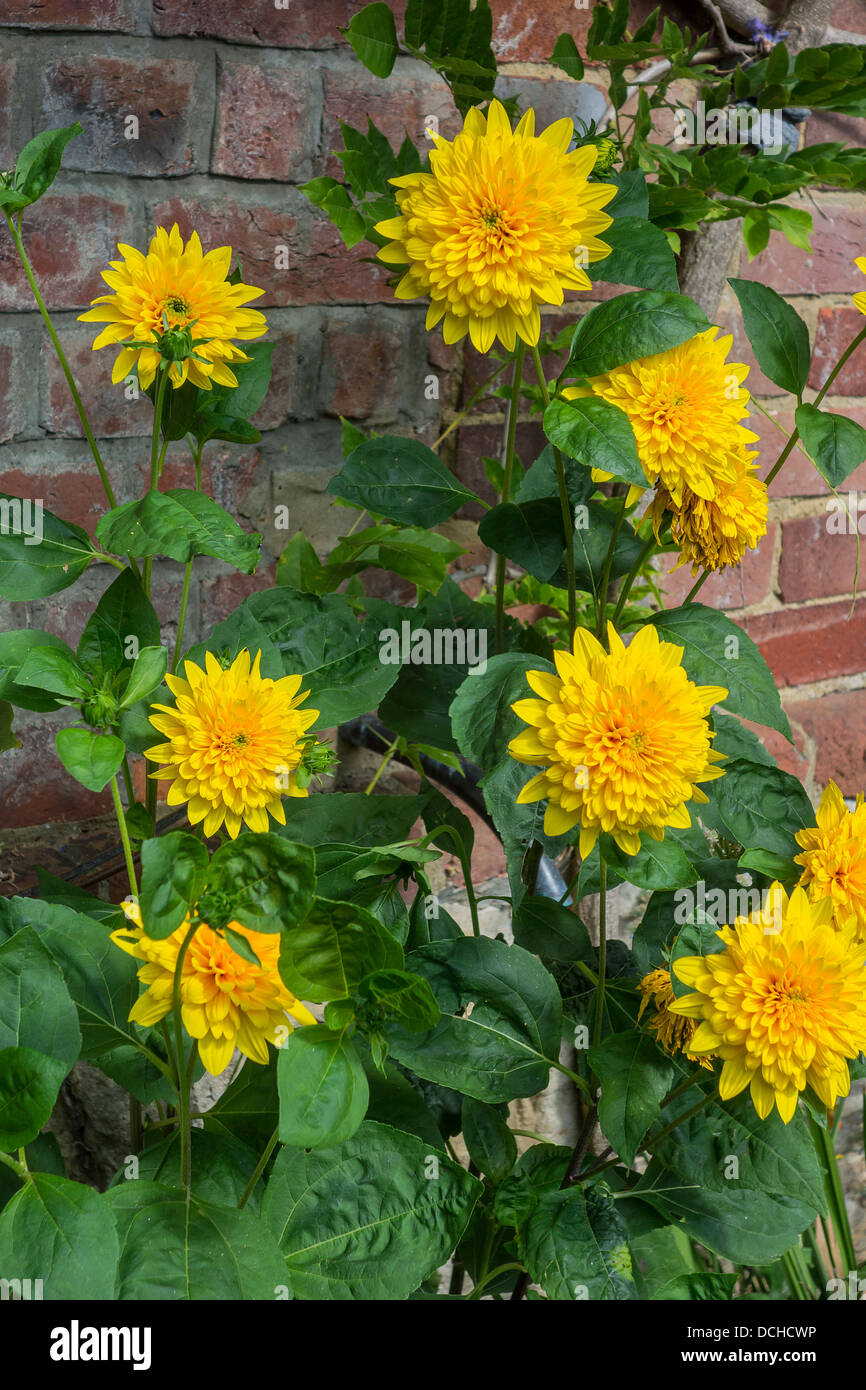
<point x="504" y="222"/>
<point x="182" y="296"/>
<point x="623" y="739"/>
<point x="860" y="299"/>
<point x="784" y="1004"/>
<point x="234" y="743"/>
<point x="673" y="1033"/>
<point x="834" y="856"/>
<point x="226" y="1001"/>
<point x="712" y="534"/>
<point x="685" y="406"/>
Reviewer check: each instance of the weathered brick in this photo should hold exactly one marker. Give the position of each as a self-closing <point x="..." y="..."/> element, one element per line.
<point x="850" y="15"/>
<point x="837" y="240"/>
<point x="12" y="386"/>
<point x="13" y="134"/>
<point x="477" y="441"/>
<point x="403" y="106"/>
<point x="166" y="98"/>
<point x="836" y="329"/>
<point x="111" y="410"/>
<point x="836" y="723"/>
<point x="817" y="562"/>
<point x="291" y="24"/>
<point x="71" y="492"/>
<point x="736" y="586"/>
<point x="223" y="594"/>
<point x="115" y="15"/>
<point x="525" y="31"/>
<point x="811" y="644"/>
<point x="791" y="757"/>
<point x="36" y="786"/>
<point x="69" y="239"/>
<point x="267" y="121"/>
<point x="362" y="366"/>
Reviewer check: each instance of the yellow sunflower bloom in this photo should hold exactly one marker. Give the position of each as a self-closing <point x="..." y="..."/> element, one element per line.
<point x="685" y="406"/>
<point x="784" y="1005"/>
<point x="178" y="297"/>
<point x="504" y="222"/>
<point x="673" y="1032"/>
<point x="623" y="739"/>
<point x="716" y="533"/>
<point x="233" y="743"/>
<point x="226" y="1001"/>
<point x="834" y="856"/>
<point x="860" y="299"/>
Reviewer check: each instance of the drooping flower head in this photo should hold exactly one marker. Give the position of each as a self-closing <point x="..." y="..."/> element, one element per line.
<point x="673" y="1032"/>
<point x="178" y="299"/>
<point x="623" y="739"/>
<point x="685" y="406"/>
<point x="713" y="534"/>
<point x="234" y="743"/>
<point x="784" y="1004"/>
<point x="834" y="856"/>
<point x="504" y="222"/>
<point x="226" y="1001"/>
<point x="860" y="299"/>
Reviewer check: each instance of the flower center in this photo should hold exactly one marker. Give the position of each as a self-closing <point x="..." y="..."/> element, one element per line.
<point x="175" y="310"/>
<point x="491" y="218"/>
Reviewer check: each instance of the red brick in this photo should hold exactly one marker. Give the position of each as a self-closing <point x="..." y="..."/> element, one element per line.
<point x="837" y="723"/>
<point x="730" y="320"/>
<point x="103" y="92"/>
<point x="222" y="595"/>
<point x="227" y="473"/>
<point x="811" y="644"/>
<point x="850" y="15"/>
<point x="403" y="106"/>
<point x="110" y="411"/>
<point x="791" y="757"/>
<point x="36" y="786"/>
<point x="362" y="368"/>
<point x="296" y="24"/>
<point x="836" y="329"/>
<point x="12" y="395"/>
<point x="75" y="494"/>
<point x="329" y="274"/>
<point x="267" y="121"/>
<point x="478" y="441"/>
<point x="9" y="107"/>
<point x="825" y="126"/>
<point x="817" y="562"/>
<point x="280" y="404"/>
<point x="115" y="15"/>
<point x="69" y="240"/>
<point x="525" y="31"/>
<point x="837" y="240"/>
<point x="734" y="587"/>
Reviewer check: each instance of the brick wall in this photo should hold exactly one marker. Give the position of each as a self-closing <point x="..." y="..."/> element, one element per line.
<point x="235" y="105"/>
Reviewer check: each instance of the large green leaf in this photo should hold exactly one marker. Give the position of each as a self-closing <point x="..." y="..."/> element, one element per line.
<point x="635" y="1076"/>
<point x="837" y="444"/>
<point x="35" y="1008"/>
<point x="31" y="570"/>
<point x="369" y="1219"/>
<point x="175" y="1246"/>
<point x="29" y="1083"/>
<point x="529" y="533"/>
<point x="247" y="1109"/>
<point x="779" y="337"/>
<point x="373" y="35"/>
<point x="640" y="255"/>
<point x="551" y="930"/>
<point x="760" y="807"/>
<point x="62" y="1233"/>
<point x="123" y="622"/>
<point x="401" y="479"/>
<point x="322" y="1087"/>
<point x="328" y="954"/>
<point x="718" y="652"/>
<point x="489" y="1141"/>
<point x="597" y="433"/>
<point x="631" y="326"/>
<point x="503" y="1048"/>
<point x="179" y="523"/>
<point x="90" y="757"/>
<point x="752" y="1228"/>
<point x="16" y="648"/>
<point x="173" y="873"/>
<point x="576" y="1247"/>
<point x="269" y="881"/>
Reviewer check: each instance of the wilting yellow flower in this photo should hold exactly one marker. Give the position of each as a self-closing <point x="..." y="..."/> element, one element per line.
<point x="505" y="221"/>
<point x="181" y="296"/>
<point x="623" y="739"/>
<point x="712" y="534"/>
<point x="834" y="856"/>
<point x="685" y="406"/>
<point x="860" y="299"/>
<point x="234" y="743"/>
<point x="784" y="1004"/>
<point x="226" y="1001"/>
<point x="673" y="1032"/>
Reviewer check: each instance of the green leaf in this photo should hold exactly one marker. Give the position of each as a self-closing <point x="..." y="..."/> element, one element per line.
<point x="36" y="1011"/>
<point x="640" y="255"/>
<point x="490" y="1143"/>
<point x="147" y="673"/>
<point x="779" y="337"/>
<point x="539" y="1169"/>
<point x="773" y="866"/>
<point x="836" y="444"/>
<point x="575" y="1246"/>
<point x="373" y="35"/>
<point x="269" y="881"/>
<point x="38" y="163"/>
<point x="745" y="1227"/>
<point x="54" y="669"/>
<point x="401" y="997"/>
<point x="7" y="737"/>
<point x="592" y="538"/>
<point x="566" y="56"/>
<point x="635" y="1077"/>
<point x="352" y="817"/>
<point x="631" y="326"/>
<point x="400" y="479"/>
<point x="761" y="807"/>
<point x="718" y="652"/>
<point x="551" y="930"/>
<point x="91" y="758"/>
<point x="29" y="1083"/>
<point x="529" y="533"/>
<point x="247" y="1110"/>
<point x="15" y="649"/>
<point x="174" y="1246"/>
<point x="327" y="955"/>
<point x="696" y="1288"/>
<point x="597" y="433"/>
<point x="221" y="1167"/>
<point x="39" y="555"/>
<point x="322" y="1087"/>
<point x="123" y="612"/>
<point x="504" y="1047"/>
<point x="657" y="864"/>
<point x="179" y="523"/>
<point x="369" y="1219"/>
<point x="62" y="1233"/>
<point x="174" y="869"/>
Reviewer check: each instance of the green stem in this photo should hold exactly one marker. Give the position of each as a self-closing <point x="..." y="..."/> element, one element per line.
<point x="161" y="382"/>
<point x="686" y="1115"/>
<point x="835" y="1194"/>
<point x="127" y="780"/>
<point x="386" y="758"/>
<point x="605" y="574"/>
<point x="602" y="948"/>
<point x="181" y="621"/>
<point x="565" y="507"/>
<point x="182" y="1079"/>
<point x="489" y="1278"/>
<point x="632" y="575"/>
<point x="124" y="835"/>
<point x="508" y="470"/>
<point x="794" y="1278"/>
<point x="852" y="347"/>
<point x="19" y="1168"/>
<point x="473" y="399"/>
<point x="259" y="1169"/>
<point x="15" y="231"/>
<point x="701" y="580"/>
<point x="465" y="864"/>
